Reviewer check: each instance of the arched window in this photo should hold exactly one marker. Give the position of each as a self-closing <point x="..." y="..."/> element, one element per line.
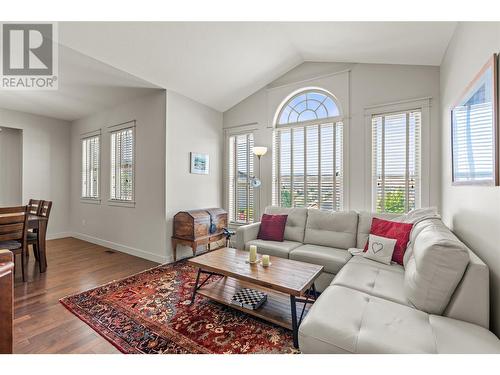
<point x="308" y="152"/>
<point x="307" y="106"/>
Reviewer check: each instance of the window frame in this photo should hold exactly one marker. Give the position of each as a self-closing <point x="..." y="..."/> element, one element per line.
<point x="420" y="104"/>
<point x="334" y="120"/>
<point x="84" y="137"/>
<point x="113" y="130"/>
<point x="251" y="157"/>
<point x="467" y="94"/>
<point x="417" y="197"/>
<point x="306" y="91"/>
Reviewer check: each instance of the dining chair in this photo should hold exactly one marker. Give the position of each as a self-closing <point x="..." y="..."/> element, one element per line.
<point x="13" y="232"/>
<point x="44" y="211"/>
<point x="34" y="206"/>
<point x="45" y="208"/>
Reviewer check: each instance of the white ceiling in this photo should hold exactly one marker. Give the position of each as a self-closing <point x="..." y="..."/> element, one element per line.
<point x="219" y="64"/>
<point x="86" y="86"/>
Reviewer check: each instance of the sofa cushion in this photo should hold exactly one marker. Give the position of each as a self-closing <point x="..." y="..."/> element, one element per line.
<point x="473" y="290"/>
<point x="274" y="248"/>
<point x="365" y="224"/>
<point x="374" y="278"/>
<point x="272" y="228"/>
<point x="435" y="268"/>
<point x="295" y="223"/>
<point x="417" y="228"/>
<point x="330" y="228"/>
<point x="330" y="258"/>
<point x="344" y="320"/>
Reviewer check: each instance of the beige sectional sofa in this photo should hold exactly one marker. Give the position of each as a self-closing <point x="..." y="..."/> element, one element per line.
<point x="438" y="302"/>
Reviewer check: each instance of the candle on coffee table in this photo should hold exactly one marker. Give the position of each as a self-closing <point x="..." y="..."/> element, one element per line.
<point x="252" y="255"/>
<point x="265" y="260"/>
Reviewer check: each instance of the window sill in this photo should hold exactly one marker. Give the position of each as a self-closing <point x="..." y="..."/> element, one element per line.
<point x="90" y="201"/>
<point x="236" y="225"/>
<point x="118" y="203"/>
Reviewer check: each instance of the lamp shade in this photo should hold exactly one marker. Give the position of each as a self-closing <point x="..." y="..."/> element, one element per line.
<point x="260" y="151"/>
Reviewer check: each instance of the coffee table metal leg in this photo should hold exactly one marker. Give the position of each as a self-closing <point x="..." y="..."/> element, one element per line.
<point x="196" y="286"/>
<point x="295" y="325"/>
<point x="315" y="293"/>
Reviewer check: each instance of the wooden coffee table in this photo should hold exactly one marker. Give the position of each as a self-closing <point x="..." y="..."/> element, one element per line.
<point x="286" y="282"/>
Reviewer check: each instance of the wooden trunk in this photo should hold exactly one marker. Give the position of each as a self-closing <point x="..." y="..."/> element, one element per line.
<point x="192" y="228"/>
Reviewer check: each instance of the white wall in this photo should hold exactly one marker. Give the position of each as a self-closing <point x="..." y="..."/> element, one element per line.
<point x="11" y="166"/>
<point x="473" y="212"/>
<point x="357" y="86"/>
<point x="191" y="127"/>
<point x="138" y="230"/>
<point x="45" y="160"/>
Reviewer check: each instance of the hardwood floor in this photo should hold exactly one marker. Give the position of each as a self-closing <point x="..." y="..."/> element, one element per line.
<point x="41" y="323"/>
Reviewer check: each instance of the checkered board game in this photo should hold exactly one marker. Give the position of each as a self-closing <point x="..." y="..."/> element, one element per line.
<point x="249" y="298"/>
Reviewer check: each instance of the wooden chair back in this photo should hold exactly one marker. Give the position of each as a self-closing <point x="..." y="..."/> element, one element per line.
<point x="34" y="206"/>
<point x="45" y="208"/>
<point x="14" y="224"/>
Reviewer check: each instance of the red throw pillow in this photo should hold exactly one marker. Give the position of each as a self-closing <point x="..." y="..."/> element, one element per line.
<point x="397" y="231"/>
<point x="272" y="227"/>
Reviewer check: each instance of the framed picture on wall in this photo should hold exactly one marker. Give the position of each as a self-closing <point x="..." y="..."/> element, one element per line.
<point x="474" y="130"/>
<point x="199" y="163"/>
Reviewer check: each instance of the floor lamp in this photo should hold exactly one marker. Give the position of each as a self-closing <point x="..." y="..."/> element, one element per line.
<point x="259" y="151"/>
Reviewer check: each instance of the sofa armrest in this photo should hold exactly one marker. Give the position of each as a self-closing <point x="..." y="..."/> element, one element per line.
<point x="246" y="233"/>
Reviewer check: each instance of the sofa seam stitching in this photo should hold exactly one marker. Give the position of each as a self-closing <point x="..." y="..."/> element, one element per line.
<point x="375" y="280"/>
<point x="361" y="324"/>
<point x="433" y="333"/>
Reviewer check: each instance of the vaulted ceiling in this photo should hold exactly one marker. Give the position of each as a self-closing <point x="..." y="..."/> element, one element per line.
<point x="216" y="63"/>
<point x="219" y="64"/>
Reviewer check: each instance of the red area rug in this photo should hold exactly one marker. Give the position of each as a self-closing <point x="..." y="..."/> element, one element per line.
<point x="150" y="313"/>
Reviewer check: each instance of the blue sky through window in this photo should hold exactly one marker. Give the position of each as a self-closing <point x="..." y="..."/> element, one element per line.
<point x="313" y="105"/>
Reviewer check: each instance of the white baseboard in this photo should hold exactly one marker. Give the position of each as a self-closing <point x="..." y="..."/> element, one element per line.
<point x="56" y="236"/>
<point x="122" y="248"/>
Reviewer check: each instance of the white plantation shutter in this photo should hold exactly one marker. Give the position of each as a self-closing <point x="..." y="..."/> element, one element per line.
<point x="308" y="166"/>
<point x="241" y="170"/>
<point x="473" y="143"/>
<point x="308" y="152"/>
<point x="396" y="161"/>
<point x="122" y="164"/>
<point x="338" y="175"/>
<point x="298" y="157"/>
<point x="90" y="167"/>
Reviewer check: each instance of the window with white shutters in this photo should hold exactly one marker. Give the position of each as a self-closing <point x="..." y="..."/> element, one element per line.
<point x="308" y="157"/>
<point x="396" y="161"/>
<point x="122" y="164"/>
<point x="91" y="167"/>
<point x="241" y="196"/>
<point x="474" y="139"/>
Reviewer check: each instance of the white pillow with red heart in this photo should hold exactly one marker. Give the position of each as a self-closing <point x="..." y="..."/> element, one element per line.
<point x="380" y="249"/>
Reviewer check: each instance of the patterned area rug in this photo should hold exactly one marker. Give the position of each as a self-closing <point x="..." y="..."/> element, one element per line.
<point x="150" y="312"/>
